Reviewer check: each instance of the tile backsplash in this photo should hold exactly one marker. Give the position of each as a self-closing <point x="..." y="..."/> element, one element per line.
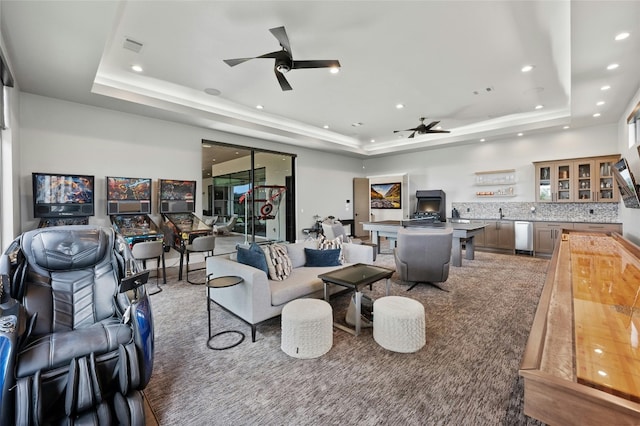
<point x="564" y="212"/>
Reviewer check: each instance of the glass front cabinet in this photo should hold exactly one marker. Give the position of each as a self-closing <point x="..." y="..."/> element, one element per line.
<point x="576" y="180"/>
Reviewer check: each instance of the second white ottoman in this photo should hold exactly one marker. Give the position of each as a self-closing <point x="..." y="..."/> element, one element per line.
<point x="399" y="324"/>
<point x="307" y="328"/>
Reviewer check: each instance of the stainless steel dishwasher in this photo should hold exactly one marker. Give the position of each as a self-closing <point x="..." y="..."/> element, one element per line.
<point x="524" y="236"/>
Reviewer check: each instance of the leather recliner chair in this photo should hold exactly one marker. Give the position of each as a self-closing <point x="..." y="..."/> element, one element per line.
<point x="76" y="334"/>
<point x="424" y="255"/>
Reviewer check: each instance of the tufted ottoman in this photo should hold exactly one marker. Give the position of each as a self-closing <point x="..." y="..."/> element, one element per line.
<point x="399" y="324"/>
<point x="307" y="328"/>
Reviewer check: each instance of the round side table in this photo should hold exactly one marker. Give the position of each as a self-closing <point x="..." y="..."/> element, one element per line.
<point x="221" y="282"/>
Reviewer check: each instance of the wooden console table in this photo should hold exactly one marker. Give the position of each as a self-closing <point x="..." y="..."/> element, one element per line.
<point x="582" y="361"/>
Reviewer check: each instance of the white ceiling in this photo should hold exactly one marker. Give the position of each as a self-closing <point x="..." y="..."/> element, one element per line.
<point x="454" y="61"/>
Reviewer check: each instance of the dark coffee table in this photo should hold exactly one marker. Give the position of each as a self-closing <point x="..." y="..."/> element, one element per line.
<point x="355" y="277"/>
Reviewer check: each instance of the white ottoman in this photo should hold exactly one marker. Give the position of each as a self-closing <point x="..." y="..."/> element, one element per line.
<point x="307" y="328"/>
<point x="399" y="324"/>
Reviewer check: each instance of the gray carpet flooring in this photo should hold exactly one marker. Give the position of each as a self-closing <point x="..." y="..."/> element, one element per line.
<point x="467" y="373"/>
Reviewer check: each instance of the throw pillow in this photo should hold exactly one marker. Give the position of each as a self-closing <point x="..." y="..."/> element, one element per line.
<point x="253" y="256"/>
<point x="327" y="257"/>
<point x="278" y="261"/>
<point x="336" y="243"/>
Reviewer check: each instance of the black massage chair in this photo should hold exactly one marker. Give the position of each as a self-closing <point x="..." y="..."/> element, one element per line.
<point x="76" y="329"/>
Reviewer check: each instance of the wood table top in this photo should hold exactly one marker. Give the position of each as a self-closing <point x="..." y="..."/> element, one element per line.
<point x="606" y="313"/>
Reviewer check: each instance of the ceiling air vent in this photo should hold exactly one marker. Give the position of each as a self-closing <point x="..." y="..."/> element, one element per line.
<point x="132" y="45"/>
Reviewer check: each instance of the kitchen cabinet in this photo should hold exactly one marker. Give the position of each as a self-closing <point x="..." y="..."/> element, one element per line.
<point x="478" y="240"/>
<point x="545" y="235"/>
<point x="576" y="180"/>
<point x="499" y="234"/>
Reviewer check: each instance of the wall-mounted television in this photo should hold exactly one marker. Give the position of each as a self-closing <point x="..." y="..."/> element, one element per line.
<point x="627" y="184"/>
<point x="62" y="195"/>
<point x="128" y="195"/>
<point x="177" y="196"/>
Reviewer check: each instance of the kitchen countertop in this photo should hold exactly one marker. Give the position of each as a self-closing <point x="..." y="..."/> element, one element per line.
<point x="462" y="219"/>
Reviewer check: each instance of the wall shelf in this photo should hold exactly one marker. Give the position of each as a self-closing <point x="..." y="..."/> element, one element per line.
<point x="502" y="181"/>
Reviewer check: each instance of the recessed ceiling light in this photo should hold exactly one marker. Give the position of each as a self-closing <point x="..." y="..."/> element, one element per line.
<point x="527" y="68"/>
<point x="605" y="87"/>
<point x="211" y="91"/>
<point x="372" y="140"/>
<point x="399" y="106"/>
<point x="622" y="36"/>
<point x="600" y="103"/>
<point x="520" y="134"/>
<point x="566" y="127"/>
<point x="539" y="106"/>
<point x="326" y="126"/>
<point x="334" y="70"/>
<point x="259" y="107"/>
<point x="596" y="115"/>
<point x="612" y="66"/>
<point x="136" y="68"/>
<point x="206" y="145"/>
<point x="482" y="140"/>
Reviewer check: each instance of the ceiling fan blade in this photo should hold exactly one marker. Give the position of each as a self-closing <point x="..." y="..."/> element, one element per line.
<point x="282" y="37"/>
<point x="284" y="84"/>
<point x="437" y="131"/>
<point x="279" y="54"/>
<point x="316" y="64"/>
<point x="234" y="62"/>
<point x="432" y="124"/>
<point x="406" y="130"/>
<point x="412" y="135"/>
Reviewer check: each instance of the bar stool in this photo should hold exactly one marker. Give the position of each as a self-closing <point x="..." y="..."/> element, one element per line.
<point x="146" y="250"/>
<point x="204" y="244"/>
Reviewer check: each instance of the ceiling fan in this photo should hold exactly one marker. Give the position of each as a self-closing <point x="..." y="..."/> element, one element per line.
<point x="423" y="129"/>
<point x="283" y="59"/>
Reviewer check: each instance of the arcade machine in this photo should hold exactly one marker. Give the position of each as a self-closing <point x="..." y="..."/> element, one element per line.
<point x="128" y="206"/>
<point x="181" y="226"/>
<point x="62" y="199"/>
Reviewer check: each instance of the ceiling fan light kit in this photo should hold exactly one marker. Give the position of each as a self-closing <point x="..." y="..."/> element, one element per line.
<point x="284" y="59"/>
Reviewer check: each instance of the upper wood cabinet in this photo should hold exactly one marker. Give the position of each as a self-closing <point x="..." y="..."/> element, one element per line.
<point x="576" y="180"/>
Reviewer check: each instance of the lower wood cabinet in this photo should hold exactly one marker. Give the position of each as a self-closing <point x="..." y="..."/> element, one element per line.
<point x="499" y="234"/>
<point x="603" y="227"/>
<point x="545" y="235"/>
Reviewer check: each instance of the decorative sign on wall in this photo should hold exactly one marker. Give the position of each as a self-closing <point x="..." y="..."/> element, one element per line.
<point x="386" y="195"/>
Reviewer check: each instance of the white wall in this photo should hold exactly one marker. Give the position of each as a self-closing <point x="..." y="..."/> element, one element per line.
<point x="65" y="137"/>
<point x="630" y="217"/>
<point x="453" y="169"/>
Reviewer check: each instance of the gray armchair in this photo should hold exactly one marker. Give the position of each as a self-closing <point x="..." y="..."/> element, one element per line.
<point x="424" y="255"/>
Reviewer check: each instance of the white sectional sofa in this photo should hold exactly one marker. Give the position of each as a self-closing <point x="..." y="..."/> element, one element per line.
<point x="259" y="298"/>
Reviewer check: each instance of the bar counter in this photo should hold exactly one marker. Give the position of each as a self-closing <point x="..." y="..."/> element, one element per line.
<point x="582" y="361"/>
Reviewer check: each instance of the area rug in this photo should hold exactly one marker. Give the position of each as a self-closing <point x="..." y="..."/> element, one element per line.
<point x="466" y="374"/>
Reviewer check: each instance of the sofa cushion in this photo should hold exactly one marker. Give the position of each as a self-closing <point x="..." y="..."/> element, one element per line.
<point x="296" y="252"/>
<point x="328" y="257"/>
<point x="335" y="243"/>
<point x="253" y="256"/>
<point x="278" y="261"/>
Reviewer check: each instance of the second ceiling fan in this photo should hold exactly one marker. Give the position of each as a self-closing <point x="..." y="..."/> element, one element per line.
<point x="423" y="128"/>
<point x="284" y="60"/>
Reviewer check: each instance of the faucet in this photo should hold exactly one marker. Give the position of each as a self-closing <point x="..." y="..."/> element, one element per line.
<point x="500" y="211"/>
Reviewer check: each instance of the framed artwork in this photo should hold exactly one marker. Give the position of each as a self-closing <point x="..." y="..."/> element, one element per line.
<point x="386" y="195"/>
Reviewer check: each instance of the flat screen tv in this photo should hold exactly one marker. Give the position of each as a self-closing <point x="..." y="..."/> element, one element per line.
<point x="62" y="195"/>
<point x="177" y="196"/>
<point x="128" y="195"/>
<point x="627" y="184"/>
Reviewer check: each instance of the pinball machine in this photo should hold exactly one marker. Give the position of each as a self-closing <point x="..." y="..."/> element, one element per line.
<point x="62" y="199"/>
<point x="181" y="226"/>
<point x="128" y="207"/>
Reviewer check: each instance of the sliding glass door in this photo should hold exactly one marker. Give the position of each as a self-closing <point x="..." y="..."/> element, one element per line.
<point x="255" y="185"/>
